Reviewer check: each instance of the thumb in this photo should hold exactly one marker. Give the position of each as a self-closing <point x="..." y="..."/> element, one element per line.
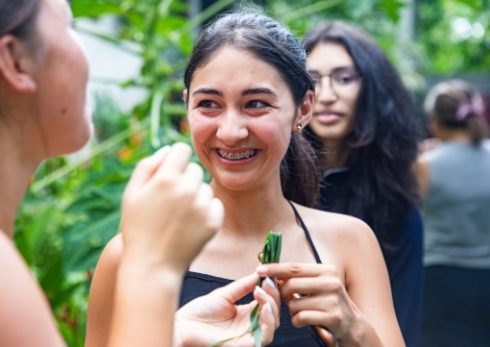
<point x="238" y="289"/>
<point x="146" y="168"/>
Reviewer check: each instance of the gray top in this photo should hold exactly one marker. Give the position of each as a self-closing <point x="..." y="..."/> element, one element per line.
<point x="457" y="208"/>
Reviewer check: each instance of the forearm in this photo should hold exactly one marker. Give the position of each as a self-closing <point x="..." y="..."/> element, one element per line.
<point x="145" y="304"/>
<point x="362" y="334"/>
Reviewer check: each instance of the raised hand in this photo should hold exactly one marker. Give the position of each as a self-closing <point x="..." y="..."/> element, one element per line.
<point x="214" y="317"/>
<point x="168" y="212"/>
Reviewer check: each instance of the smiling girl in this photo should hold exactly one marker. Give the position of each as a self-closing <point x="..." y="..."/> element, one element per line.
<point x="248" y="96"/>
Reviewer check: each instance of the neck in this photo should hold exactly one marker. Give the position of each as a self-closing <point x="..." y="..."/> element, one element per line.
<point x="334" y="155"/>
<point x="16" y="172"/>
<point x="455" y="135"/>
<point x="256" y="211"/>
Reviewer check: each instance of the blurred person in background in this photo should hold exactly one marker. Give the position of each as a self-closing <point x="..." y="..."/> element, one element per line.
<point x="169" y="213"/>
<point x="365" y="133"/>
<point x="455" y="183"/>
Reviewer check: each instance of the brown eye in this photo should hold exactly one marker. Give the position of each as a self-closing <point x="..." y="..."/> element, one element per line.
<point x="256" y="104"/>
<point x="315" y="76"/>
<point x="207" y="104"/>
<point x="344" y="77"/>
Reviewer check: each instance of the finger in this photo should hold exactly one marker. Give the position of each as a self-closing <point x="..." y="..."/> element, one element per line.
<point x="268" y="323"/>
<point x="193" y="174"/>
<point x="162" y="152"/>
<point x="204" y="196"/>
<point x="270" y="287"/>
<point x="263" y="299"/>
<point x="327" y="284"/>
<point x="145" y="169"/>
<point x="238" y="289"/>
<point x="187" y="186"/>
<point x="304" y="318"/>
<point x="312" y="303"/>
<point x="216" y="214"/>
<point x="176" y="161"/>
<point x="286" y="270"/>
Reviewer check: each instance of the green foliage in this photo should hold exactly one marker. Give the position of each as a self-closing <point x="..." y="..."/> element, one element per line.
<point x="454" y="36"/>
<point x="72" y="208"/>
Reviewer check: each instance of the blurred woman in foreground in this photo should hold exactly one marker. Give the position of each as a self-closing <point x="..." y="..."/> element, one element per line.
<point x="43" y="77"/>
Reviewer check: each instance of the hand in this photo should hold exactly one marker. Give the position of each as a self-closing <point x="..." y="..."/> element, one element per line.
<point x="215" y="317"/>
<point x="324" y="302"/>
<point x="168" y="212"/>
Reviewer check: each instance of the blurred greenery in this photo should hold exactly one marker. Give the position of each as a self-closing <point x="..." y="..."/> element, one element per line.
<point x="72" y="207"/>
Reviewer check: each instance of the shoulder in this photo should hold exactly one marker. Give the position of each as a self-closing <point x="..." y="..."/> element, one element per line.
<point x="109" y="260"/>
<point x="23" y="305"/>
<point x="334" y="224"/>
<point x="114" y="249"/>
<point x="343" y="233"/>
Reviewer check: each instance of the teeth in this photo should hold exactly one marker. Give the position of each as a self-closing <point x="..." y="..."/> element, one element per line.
<point x="237" y="156"/>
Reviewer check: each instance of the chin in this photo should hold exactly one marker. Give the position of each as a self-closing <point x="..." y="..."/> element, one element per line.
<point x="72" y="144"/>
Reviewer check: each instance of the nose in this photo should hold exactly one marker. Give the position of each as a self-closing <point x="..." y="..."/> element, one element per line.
<point x="232" y="127"/>
<point x="326" y="94"/>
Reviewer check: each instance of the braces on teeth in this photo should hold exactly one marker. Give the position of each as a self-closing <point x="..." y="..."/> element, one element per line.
<point x="237" y="156"/>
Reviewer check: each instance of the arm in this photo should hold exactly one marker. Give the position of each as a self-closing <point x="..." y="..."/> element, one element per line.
<point x="102" y="292"/>
<point x="357" y="308"/>
<point x="25" y="315"/>
<point x="421" y="169"/>
<point x="405" y="269"/>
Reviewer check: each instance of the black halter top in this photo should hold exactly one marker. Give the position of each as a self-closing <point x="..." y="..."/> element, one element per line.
<point x="198" y="284"/>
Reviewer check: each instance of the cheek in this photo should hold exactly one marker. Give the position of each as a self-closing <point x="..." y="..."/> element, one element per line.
<point x="202" y="129"/>
<point x="268" y="132"/>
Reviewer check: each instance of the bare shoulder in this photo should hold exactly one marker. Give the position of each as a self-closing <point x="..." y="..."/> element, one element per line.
<point x="346" y="242"/>
<point x="24" y="306"/>
<point x="106" y="270"/>
<point x="113" y="250"/>
<point x="329" y="226"/>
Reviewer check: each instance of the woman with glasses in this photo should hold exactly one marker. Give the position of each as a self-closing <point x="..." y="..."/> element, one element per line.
<point x="365" y="133"/>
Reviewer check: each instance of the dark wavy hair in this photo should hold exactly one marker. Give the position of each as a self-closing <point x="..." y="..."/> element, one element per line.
<point x="382" y="187"/>
<point x="18" y="17"/>
<point x="272" y="43"/>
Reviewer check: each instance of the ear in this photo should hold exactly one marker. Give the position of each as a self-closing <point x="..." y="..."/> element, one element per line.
<point x="184" y="96"/>
<point x="16" y="65"/>
<point x="305" y="111"/>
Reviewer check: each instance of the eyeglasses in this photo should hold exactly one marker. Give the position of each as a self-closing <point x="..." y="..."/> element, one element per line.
<point x="341" y="79"/>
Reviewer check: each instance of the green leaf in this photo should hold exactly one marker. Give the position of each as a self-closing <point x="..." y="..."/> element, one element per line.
<point x="392" y="8"/>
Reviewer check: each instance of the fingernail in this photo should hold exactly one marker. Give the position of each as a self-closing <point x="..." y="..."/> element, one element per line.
<point x="162" y="151"/>
<point x="270" y="282"/>
<point x="268" y="307"/>
<point x="261" y="270"/>
<point x="261" y="292"/>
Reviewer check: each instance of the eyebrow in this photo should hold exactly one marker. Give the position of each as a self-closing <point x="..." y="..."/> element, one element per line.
<point x="207" y="91"/>
<point x="258" y="91"/>
<point x="249" y="91"/>
<point x="340" y="68"/>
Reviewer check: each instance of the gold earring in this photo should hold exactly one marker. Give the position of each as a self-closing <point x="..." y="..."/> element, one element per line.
<point x="300" y="128"/>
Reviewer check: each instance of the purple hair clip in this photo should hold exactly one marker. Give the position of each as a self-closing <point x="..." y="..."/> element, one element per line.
<point x="464" y="111"/>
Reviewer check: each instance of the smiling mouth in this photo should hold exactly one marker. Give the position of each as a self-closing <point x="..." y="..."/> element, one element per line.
<point x="237" y="156"/>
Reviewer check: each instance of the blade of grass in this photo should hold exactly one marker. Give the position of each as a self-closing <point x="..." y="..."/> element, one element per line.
<point x="271" y="253"/>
